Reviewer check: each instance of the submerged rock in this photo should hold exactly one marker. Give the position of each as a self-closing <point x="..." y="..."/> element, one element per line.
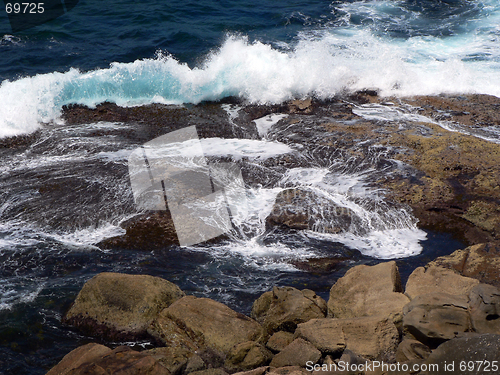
<point x="300" y="208"/>
<point x="118" y="306"/>
<point x="154" y="230"/>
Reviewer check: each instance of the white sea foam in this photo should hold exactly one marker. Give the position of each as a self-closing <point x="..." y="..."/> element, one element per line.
<point x="264" y="124"/>
<point x="243" y="148"/>
<point x="322" y="62"/>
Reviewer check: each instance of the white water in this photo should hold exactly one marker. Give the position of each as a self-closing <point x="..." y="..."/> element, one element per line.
<point x="384" y="232"/>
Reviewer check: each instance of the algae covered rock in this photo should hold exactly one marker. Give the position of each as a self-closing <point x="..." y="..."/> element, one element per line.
<point x="118" y="306"/>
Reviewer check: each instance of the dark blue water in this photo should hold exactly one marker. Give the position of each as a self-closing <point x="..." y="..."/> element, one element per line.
<point x="178" y="52"/>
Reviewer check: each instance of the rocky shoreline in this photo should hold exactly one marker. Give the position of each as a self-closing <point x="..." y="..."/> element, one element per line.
<point x="433" y="158"/>
<point x="439" y="317"/>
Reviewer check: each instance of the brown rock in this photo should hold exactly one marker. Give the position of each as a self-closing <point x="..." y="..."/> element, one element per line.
<point x="368" y="290"/>
<point x="119" y="306"/>
<point x="202" y="322"/>
<point x="325" y="334"/>
<point x="435" y="318"/>
<point x="247" y="355"/>
<point x="484" y="309"/>
<point x="410" y="349"/>
<point x="174" y="359"/>
<point x="121" y="360"/>
<point x="279" y="340"/>
<point x="210" y="371"/>
<point x="298" y="353"/>
<point x="373" y="337"/>
<point x="433" y="279"/>
<point x="257" y="371"/>
<point x="81" y="355"/>
<point x="288" y="370"/>
<point x="470" y="348"/>
<point x="195" y="363"/>
<point x="481" y="262"/>
<point x="283" y="308"/>
<point x="152" y="230"/>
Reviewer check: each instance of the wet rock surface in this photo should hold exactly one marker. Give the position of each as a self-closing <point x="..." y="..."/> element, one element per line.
<point x="445" y="177"/>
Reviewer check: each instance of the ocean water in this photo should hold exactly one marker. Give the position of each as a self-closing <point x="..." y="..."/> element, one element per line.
<point x="187" y="52"/>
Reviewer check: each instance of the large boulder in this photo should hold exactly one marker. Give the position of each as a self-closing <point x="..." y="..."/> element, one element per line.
<point x="481" y="262"/>
<point x="410" y="350"/>
<point x="298" y="353"/>
<point x="121" y="360"/>
<point x="437" y="317"/>
<point x="373" y="337"/>
<point x="118" y="306"/>
<point x="300" y="208"/>
<point x="367" y="290"/>
<point x="201" y="322"/>
<point x="284" y="307"/>
<point x="246" y="356"/>
<point x="174" y="359"/>
<point x="484" y="309"/>
<point x="279" y="340"/>
<point x="435" y="279"/>
<point x="472" y="354"/>
<point x="325" y="334"/>
<point x="78" y="357"/>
